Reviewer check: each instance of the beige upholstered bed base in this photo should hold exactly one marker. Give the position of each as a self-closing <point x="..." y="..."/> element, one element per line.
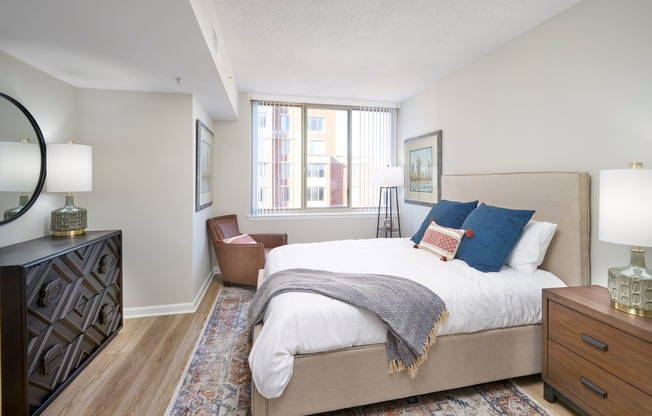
<point x="356" y="376"/>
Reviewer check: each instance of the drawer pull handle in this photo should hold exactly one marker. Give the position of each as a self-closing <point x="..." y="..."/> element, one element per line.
<point x="106" y="264"/>
<point x="597" y="344"/>
<point x="106" y="314"/>
<point x="595" y="389"/>
<point x="52" y="359"/>
<point x="50" y="293"/>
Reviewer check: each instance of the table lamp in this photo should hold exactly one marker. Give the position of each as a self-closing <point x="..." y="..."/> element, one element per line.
<point x="626" y="218"/>
<point x="70" y="169"/>
<point x="389" y="179"/>
<point x="20" y="164"/>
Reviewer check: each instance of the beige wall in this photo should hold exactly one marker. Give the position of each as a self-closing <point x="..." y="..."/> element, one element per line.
<point x="574" y="93"/>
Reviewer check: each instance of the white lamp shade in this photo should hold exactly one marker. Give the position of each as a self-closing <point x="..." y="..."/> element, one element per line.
<point x="69" y="168"/>
<point x="626" y="206"/>
<point x="20" y="166"/>
<point x="388" y="176"/>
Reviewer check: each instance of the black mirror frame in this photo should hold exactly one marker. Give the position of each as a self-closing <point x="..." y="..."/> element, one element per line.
<point x="41" y="144"/>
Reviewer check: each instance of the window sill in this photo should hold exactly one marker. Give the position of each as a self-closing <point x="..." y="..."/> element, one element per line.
<point x="312" y="216"/>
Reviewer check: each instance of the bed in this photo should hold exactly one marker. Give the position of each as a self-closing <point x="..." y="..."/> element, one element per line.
<point x="358" y="375"/>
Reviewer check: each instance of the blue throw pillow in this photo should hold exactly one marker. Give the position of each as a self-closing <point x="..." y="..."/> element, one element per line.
<point x="495" y="233"/>
<point x="449" y="214"/>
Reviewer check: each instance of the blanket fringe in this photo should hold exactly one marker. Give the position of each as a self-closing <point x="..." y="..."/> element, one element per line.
<point x="396" y="365"/>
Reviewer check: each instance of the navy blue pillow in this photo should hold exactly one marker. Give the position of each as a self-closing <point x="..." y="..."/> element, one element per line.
<point x="495" y="233"/>
<point x="449" y="214"/>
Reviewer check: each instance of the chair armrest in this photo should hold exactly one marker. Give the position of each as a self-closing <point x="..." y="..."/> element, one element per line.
<point x="239" y="252"/>
<point x="271" y="240"/>
<point x="239" y="263"/>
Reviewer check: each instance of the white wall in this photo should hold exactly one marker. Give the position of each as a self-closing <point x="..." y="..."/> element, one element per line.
<point x="52" y="104"/>
<point x="573" y="94"/>
<point x="143" y="183"/>
<point x="233" y="190"/>
<point x="202" y="251"/>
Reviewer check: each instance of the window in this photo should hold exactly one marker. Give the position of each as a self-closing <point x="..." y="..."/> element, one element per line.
<point x="285" y="122"/>
<point x="316" y="124"/>
<point x="315" y="194"/>
<point x="284" y="147"/>
<point x="316" y="147"/>
<point x="314" y="157"/>
<point x="285" y="170"/>
<point x="316" y="170"/>
<point x="285" y="194"/>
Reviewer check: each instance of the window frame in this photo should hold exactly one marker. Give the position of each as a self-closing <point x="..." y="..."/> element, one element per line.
<point x="304" y="208"/>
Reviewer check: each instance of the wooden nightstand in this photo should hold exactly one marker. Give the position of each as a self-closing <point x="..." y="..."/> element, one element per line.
<point x="595" y="358"/>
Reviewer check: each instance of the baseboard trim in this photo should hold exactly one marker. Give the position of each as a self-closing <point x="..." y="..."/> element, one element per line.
<point x="171" y="309"/>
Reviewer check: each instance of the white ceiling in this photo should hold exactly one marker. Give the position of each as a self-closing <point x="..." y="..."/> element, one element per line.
<point x="371" y="50"/>
<point x="379" y="50"/>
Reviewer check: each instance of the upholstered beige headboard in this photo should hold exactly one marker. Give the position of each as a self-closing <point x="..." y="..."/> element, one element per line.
<point x="558" y="197"/>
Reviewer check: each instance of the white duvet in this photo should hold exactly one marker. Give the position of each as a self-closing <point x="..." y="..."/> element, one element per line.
<point x="297" y="323"/>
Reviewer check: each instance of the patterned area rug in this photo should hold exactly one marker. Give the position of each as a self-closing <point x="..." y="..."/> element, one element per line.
<point x="217" y="377"/>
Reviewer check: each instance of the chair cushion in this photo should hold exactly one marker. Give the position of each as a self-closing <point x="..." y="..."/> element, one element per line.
<point x="240" y="239"/>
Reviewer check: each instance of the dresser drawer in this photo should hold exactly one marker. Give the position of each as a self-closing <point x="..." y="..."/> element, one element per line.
<point x="106" y="268"/>
<point x="54" y="365"/>
<point x="584" y="379"/>
<point x="73" y="305"/>
<point x="50" y="287"/>
<point x="59" y="350"/>
<point x="44" y="348"/>
<point x="109" y="314"/>
<point x="619" y="353"/>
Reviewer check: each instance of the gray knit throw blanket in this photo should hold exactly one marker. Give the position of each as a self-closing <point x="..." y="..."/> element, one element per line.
<point x="411" y="311"/>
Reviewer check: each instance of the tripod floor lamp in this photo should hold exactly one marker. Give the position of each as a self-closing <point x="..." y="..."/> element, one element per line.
<point x="389" y="179"/>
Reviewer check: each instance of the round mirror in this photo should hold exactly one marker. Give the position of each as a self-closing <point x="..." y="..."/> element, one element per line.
<point x="22" y="159"/>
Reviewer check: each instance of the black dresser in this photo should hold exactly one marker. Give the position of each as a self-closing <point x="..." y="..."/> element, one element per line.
<point x="60" y="304"/>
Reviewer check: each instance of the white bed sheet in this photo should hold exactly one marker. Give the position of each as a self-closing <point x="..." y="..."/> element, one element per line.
<point x="297" y="323"/>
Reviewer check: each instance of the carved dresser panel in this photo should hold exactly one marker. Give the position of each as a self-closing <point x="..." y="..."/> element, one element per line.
<point x="60" y="304"/>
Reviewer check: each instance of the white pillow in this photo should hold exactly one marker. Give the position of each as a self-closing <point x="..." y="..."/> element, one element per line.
<point x="530" y="250"/>
<point x="240" y="239"/>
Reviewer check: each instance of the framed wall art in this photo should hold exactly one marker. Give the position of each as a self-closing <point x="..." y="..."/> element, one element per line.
<point x="204" y="176"/>
<point x="423" y="169"/>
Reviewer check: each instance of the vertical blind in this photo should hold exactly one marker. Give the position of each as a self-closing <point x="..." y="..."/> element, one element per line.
<point x="279" y="149"/>
<point x="372" y="137"/>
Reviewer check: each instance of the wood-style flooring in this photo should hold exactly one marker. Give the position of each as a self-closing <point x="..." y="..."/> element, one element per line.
<point x="137" y="373"/>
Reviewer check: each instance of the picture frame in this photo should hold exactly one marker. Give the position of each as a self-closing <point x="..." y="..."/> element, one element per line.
<point x="204" y="165"/>
<point x="422" y="161"/>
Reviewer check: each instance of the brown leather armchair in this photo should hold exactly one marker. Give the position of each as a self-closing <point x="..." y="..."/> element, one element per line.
<point x="239" y="263"/>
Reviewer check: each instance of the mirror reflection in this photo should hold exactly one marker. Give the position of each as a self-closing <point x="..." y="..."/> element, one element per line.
<point x="21" y="158"/>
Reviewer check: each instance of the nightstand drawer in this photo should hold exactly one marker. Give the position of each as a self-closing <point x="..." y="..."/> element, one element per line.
<point x="621" y="354"/>
<point x="588" y="382"/>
